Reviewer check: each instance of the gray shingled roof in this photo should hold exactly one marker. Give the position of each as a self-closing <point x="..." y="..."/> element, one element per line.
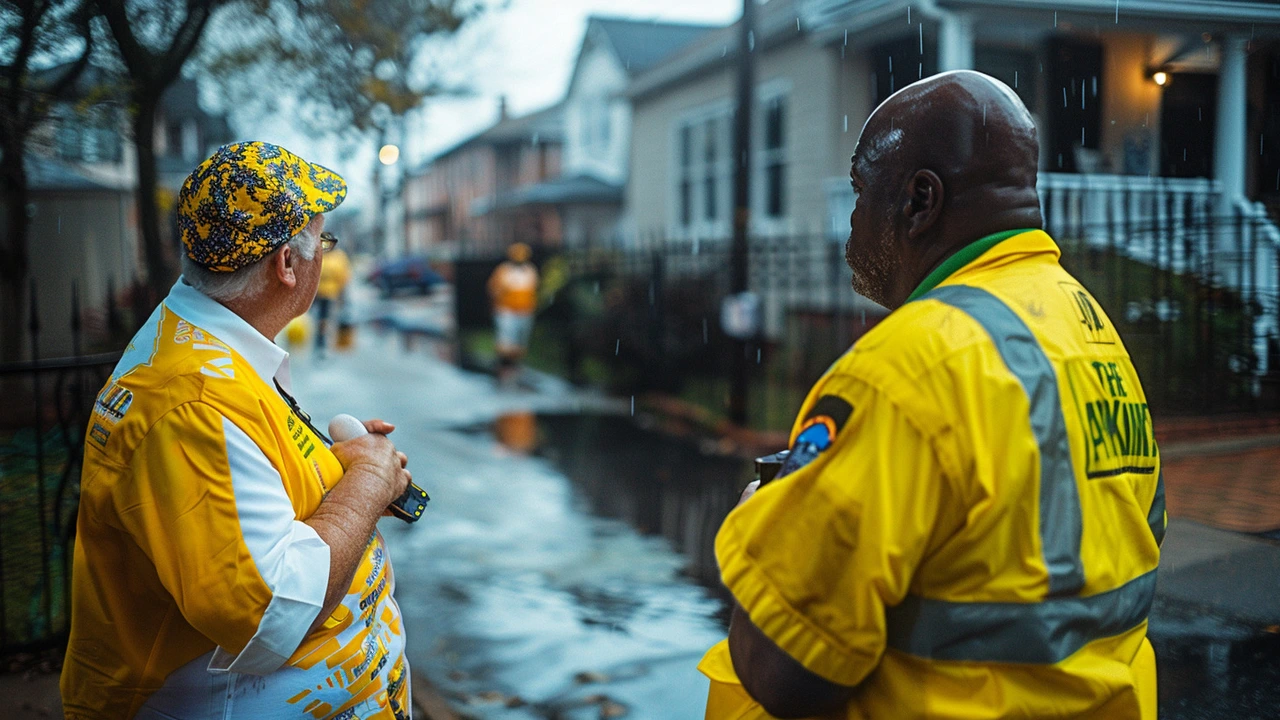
<point x="641" y="44"/>
<point x="541" y="126"/>
<point x="776" y="23"/>
<point x="577" y="190"/>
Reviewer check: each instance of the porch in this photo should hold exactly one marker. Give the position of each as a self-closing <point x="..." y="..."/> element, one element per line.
<point x="1137" y="87"/>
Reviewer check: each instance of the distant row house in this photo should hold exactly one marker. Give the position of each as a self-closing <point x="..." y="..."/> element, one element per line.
<point x="573" y="158"/>
<point x="466" y="193"/>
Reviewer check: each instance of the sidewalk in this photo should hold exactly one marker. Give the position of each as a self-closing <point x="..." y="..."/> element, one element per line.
<point x="32" y="695"/>
<point x="1228" y="483"/>
<point x="1221" y="573"/>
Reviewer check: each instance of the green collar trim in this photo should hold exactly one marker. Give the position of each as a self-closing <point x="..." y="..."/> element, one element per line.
<point x="962" y="257"/>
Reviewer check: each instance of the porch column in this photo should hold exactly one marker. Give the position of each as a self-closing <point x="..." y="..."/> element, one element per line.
<point x="955" y="42"/>
<point x="1229" y="157"/>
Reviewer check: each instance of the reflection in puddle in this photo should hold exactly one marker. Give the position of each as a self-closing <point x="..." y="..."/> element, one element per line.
<point x="657" y="484"/>
<point x="518" y="432"/>
<point x="523" y="603"/>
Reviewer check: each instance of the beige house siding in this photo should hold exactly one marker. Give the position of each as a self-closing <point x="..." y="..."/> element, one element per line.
<point x="821" y="89"/>
<point x="650" y="195"/>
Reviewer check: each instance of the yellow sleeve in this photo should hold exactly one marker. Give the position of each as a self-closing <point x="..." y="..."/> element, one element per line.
<point x="816" y="556"/>
<point x="180" y="508"/>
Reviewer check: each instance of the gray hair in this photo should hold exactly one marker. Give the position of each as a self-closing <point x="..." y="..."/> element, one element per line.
<point x="251" y="280"/>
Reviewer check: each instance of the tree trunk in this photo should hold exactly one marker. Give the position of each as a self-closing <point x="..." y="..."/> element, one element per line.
<point x="13" y="269"/>
<point x="161" y="268"/>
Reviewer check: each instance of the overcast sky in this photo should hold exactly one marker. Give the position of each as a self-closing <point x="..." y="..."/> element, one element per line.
<point x="524" y="51"/>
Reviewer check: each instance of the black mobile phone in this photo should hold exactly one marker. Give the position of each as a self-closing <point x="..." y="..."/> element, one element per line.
<point x="411" y="504"/>
<point x="768" y="466"/>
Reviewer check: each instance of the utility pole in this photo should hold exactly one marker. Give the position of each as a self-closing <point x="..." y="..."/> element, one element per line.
<point x="379" y="237"/>
<point x="742" y="197"/>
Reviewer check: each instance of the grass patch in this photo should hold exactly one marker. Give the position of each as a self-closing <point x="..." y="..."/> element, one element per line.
<point x="23" y="580"/>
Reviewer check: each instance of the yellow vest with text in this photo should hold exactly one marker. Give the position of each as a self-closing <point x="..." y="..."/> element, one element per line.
<point x="979" y="536"/>
<point x="162" y="574"/>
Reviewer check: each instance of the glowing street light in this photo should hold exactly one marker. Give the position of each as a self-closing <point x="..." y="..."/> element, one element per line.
<point x="389" y="154"/>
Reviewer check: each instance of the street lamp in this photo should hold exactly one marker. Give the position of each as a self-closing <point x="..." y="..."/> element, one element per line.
<point x="388" y="155"/>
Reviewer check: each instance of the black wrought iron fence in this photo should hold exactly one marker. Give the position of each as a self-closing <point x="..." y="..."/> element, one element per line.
<point x="1193" y="294"/>
<point x="41" y="446"/>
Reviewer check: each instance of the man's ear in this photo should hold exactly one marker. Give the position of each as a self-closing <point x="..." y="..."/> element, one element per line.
<point x="925" y="195"/>
<point x="284" y="266"/>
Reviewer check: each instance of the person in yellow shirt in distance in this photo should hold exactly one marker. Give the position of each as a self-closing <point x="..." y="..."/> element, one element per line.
<point x="513" y="290"/>
<point x="331" y="298"/>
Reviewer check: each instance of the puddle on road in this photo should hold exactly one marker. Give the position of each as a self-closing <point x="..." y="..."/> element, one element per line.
<point x="656" y="484"/>
<point x="569" y="573"/>
<point x="1214" y="669"/>
<point x="528" y="594"/>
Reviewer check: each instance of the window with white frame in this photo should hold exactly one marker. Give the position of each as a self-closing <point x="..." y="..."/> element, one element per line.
<point x="703" y="192"/>
<point x="605" y="122"/>
<point x="584" y="124"/>
<point x="711" y="153"/>
<point x="595" y="123"/>
<point x="685" y="191"/>
<point x="773" y="157"/>
<point x="703" y="182"/>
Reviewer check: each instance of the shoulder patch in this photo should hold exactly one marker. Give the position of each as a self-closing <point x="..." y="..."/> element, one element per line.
<point x="113" y="402"/>
<point x="1092" y="324"/>
<point x="99" y="435"/>
<point x="818" y="431"/>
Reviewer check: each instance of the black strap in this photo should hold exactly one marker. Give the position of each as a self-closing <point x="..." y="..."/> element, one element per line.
<point x="302" y="414"/>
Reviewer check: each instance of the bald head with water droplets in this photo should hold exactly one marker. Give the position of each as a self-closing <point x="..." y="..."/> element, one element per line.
<point x="941" y="163"/>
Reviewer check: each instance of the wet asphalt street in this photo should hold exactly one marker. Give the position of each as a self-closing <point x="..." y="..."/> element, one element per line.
<point x="519" y="601"/>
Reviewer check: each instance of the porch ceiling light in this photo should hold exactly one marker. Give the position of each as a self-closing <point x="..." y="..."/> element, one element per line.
<point x="1160" y="77"/>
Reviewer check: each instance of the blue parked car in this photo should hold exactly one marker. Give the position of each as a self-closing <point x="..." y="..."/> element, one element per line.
<point x="413" y="272"/>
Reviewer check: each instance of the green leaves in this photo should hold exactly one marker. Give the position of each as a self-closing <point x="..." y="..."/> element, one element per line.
<point x="347" y="64"/>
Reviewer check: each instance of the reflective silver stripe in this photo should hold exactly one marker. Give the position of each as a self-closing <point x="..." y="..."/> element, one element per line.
<point x="1060" y="519"/>
<point x="1046" y="632"/>
<point x="1155" y="518"/>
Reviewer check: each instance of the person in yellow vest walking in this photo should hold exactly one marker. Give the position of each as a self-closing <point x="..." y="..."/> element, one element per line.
<point x="513" y="289"/>
<point x="969" y="522"/>
<point x="335" y="274"/>
<point x="227" y="560"/>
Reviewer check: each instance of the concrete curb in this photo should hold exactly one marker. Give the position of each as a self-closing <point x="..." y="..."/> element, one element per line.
<point x="1220" y="446"/>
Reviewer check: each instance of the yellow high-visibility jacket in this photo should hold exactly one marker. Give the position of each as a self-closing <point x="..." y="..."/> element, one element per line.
<point x="976" y="531"/>
<point x="195" y="578"/>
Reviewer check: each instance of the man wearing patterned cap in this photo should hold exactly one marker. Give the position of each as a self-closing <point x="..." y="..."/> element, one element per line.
<point x="227" y="562"/>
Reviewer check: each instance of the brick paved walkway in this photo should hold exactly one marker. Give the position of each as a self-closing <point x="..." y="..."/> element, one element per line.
<point x="1230" y="486"/>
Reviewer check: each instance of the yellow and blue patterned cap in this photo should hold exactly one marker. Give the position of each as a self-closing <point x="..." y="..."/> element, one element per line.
<point x="248" y="199"/>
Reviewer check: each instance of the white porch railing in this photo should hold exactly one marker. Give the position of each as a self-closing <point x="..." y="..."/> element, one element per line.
<point x="1180" y="226"/>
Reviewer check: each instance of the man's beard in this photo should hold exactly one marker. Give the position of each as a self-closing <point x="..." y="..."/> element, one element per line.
<point x="874" y="266"/>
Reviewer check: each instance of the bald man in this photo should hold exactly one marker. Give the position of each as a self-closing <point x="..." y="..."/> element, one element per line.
<point x="969" y="522"/>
